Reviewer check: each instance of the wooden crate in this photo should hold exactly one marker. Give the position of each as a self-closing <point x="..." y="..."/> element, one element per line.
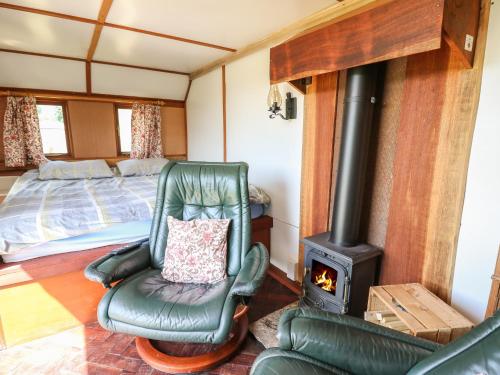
<point x="413" y="309"/>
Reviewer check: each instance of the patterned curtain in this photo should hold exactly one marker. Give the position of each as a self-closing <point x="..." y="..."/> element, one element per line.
<point x="21" y="133"/>
<point x="146" y="132"/>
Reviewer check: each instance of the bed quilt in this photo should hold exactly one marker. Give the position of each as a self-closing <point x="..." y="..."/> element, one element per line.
<point x="38" y="211"/>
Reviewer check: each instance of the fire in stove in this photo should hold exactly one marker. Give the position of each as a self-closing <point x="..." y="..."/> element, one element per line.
<point x="324" y="277"/>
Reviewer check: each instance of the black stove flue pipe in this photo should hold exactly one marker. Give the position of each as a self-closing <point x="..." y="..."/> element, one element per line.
<point x="357" y="121"/>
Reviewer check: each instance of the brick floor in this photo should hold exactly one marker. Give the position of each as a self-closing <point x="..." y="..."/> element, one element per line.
<point x="92" y="350"/>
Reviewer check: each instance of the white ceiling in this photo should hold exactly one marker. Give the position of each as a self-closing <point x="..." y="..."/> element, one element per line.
<point x="228" y="23"/>
<point x="141" y="49"/>
<point x="36" y="33"/>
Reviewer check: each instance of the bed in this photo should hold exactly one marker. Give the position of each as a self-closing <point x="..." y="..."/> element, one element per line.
<point x="40" y="218"/>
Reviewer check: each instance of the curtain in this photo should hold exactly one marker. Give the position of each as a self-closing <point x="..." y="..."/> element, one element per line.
<point x="21" y="133"/>
<point x="146" y="132"/>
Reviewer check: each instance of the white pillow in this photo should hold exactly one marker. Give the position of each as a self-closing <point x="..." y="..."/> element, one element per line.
<point x="141" y="167"/>
<point x="64" y="170"/>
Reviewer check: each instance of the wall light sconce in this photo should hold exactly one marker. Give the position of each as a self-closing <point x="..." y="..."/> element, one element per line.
<point x="274" y="101"/>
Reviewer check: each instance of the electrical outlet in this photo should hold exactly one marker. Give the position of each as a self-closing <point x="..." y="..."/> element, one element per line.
<point x="469" y="42"/>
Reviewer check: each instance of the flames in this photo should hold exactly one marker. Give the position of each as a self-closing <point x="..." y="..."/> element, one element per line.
<point x="325" y="282"/>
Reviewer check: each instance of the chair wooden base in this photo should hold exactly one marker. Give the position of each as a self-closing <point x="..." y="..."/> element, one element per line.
<point x="182" y="358"/>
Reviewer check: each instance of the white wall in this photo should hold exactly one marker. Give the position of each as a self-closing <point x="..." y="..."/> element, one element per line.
<point x="204" y="118"/>
<point x="479" y="237"/>
<point x="272" y="148"/>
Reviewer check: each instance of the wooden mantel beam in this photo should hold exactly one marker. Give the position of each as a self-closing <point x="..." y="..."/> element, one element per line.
<point x="395" y="29"/>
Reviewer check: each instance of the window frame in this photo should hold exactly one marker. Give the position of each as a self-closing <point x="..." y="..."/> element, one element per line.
<point x="67" y="127"/>
<point x="117" y="128"/>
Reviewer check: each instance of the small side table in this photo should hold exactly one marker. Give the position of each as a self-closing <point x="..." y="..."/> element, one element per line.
<point x="413" y="309"/>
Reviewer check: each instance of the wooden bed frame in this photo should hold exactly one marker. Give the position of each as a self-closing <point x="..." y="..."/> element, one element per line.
<point x="42" y="296"/>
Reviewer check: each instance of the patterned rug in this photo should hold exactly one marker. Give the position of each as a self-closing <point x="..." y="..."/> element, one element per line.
<point x="265" y="329"/>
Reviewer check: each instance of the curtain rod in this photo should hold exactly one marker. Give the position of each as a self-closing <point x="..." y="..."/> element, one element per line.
<point x="91" y="98"/>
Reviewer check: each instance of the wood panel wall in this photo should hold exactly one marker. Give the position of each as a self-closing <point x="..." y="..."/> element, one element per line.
<point x="438" y="116"/>
<point x="317" y="155"/>
<point x="92" y="130"/>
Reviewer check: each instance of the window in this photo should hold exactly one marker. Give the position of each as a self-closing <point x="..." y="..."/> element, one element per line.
<point x="53" y="127"/>
<point x="124" y="118"/>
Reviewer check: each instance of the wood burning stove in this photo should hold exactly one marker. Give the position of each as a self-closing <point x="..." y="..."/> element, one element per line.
<point x="338" y="269"/>
<point x="352" y="270"/>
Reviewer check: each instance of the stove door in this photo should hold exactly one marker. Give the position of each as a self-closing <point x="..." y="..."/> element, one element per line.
<point x="326" y="283"/>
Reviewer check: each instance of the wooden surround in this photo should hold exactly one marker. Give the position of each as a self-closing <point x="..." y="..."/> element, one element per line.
<point x="432" y="84"/>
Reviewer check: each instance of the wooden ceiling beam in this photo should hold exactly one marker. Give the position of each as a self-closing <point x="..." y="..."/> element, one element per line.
<point x="332" y="14"/>
<point x="113" y="25"/>
<point x="93" y="61"/>
<point x="101" y="18"/>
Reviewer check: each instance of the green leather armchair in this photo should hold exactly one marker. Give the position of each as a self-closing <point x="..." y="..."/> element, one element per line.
<point x="321" y="343"/>
<point x="142" y="303"/>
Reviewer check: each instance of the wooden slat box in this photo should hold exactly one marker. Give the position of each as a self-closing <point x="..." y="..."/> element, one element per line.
<point x="413" y="309"/>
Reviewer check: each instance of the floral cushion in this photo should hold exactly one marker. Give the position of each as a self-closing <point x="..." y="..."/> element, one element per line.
<point x="196" y="251"/>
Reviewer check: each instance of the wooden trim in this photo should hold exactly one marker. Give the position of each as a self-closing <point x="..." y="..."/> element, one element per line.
<point x="93" y="61"/>
<point x="88" y="78"/>
<point x="169" y="36"/>
<point x="186" y="143"/>
<point x="93" y="42"/>
<point x="494" y="298"/>
<point x="117" y="106"/>
<point x="140" y="67"/>
<point x="411" y="28"/>
<point x="101" y="18"/>
<point x="82" y="96"/>
<point x="224" y="119"/>
<point x="334" y="13"/>
<point x="67" y="127"/>
<point x="187" y="91"/>
<point x="281" y="277"/>
<point x="42" y="55"/>
<point x="113" y="25"/>
<point x="320" y="108"/>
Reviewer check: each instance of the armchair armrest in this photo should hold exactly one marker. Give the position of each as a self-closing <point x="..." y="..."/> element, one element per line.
<point x="252" y="273"/>
<point x="119" y="263"/>
<point x="350" y="343"/>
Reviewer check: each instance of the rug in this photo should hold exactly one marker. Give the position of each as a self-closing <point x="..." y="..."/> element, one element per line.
<point x="265" y="329"/>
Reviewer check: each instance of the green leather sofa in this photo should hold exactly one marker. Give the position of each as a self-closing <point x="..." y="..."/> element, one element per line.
<point x="142" y="303"/>
<point x="314" y="342"/>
